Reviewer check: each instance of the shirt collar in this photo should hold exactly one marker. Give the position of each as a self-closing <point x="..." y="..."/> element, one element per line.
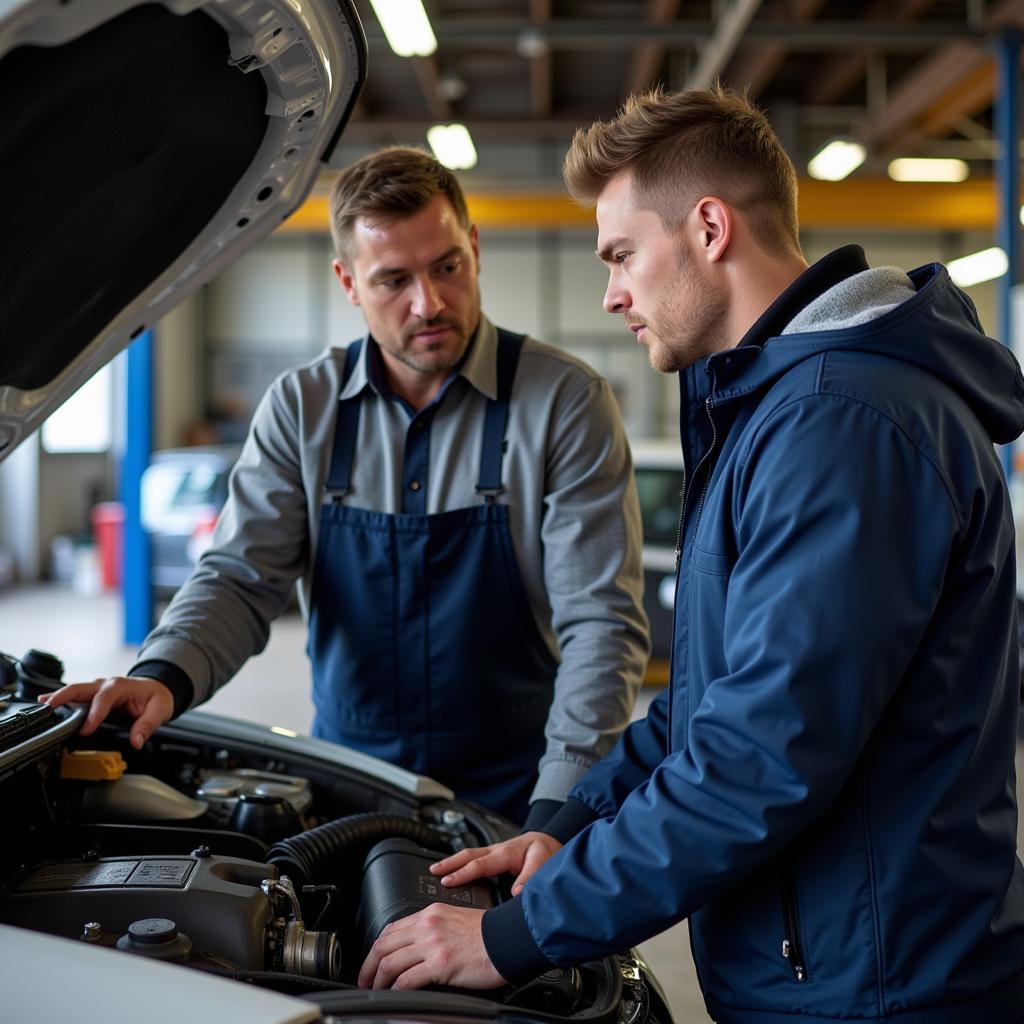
<point x="479" y="367"/>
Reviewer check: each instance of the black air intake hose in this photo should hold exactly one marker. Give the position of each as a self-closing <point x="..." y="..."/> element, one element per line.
<point x="304" y="857"/>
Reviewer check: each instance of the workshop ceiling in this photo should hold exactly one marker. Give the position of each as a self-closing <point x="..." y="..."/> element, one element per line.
<point x="904" y="77"/>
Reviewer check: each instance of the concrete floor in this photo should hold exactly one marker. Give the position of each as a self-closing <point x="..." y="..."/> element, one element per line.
<point x="272" y="689"/>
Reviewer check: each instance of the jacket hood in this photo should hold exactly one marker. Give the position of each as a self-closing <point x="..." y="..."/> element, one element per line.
<point x="936" y="330"/>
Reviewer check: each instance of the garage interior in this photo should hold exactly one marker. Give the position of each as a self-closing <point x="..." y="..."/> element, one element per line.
<point x="930" y="79"/>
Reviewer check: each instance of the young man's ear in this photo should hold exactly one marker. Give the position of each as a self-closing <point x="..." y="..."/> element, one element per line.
<point x="348" y="282"/>
<point x="714" y="224"/>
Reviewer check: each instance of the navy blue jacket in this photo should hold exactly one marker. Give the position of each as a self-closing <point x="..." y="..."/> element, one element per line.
<point x="826" y="788"/>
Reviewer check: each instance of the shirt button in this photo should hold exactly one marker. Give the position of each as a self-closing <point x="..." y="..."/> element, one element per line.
<point x="414" y="485"/>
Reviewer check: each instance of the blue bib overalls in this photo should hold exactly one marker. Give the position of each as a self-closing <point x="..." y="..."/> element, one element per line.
<point x="425" y="651"/>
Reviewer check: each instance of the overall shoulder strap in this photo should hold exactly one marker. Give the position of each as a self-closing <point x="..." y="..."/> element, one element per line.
<point x="496" y="415"/>
<point x="339" y="476"/>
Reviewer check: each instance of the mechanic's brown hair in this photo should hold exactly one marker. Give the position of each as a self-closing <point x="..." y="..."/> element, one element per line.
<point x="384" y="186"/>
<point x="681" y="146"/>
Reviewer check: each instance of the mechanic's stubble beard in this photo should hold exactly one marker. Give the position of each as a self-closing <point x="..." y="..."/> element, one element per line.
<point x="404" y="353"/>
<point x="688" y="320"/>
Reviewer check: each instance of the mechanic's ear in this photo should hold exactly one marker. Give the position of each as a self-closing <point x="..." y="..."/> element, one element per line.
<point x="713" y="221"/>
<point x="348" y="282"/>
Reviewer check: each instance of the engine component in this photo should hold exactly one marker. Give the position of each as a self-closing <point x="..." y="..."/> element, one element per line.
<point x="158" y="938"/>
<point x="38" y="672"/>
<point x="397" y="882"/>
<point x="296" y="950"/>
<point x="217" y="901"/>
<point x="303" y="858"/>
<point x="223" y="790"/>
<point x="92" y="765"/>
<point x="21" y="721"/>
<point x="269" y="818"/>
<point x="555" y="992"/>
<point x="138" y="798"/>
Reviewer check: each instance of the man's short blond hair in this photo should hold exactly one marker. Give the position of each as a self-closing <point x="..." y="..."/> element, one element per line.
<point x="387" y="185"/>
<point x="681" y="146"/>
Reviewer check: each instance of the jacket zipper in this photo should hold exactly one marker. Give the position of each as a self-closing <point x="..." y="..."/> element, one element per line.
<point x="688" y="484"/>
<point x="687" y="487"/>
<point x="792" y="948"/>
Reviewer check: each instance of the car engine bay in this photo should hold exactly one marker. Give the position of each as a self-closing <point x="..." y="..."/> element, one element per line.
<point x="234" y="851"/>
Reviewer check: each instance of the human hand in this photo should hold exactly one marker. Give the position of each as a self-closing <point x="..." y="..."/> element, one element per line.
<point x="148" y="701"/>
<point x="521" y="856"/>
<point x="440" y="945"/>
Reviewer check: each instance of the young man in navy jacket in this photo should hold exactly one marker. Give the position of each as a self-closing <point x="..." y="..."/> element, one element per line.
<point x="826" y="787"/>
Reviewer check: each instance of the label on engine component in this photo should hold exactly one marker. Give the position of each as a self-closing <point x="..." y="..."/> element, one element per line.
<point x="95" y="875"/>
<point x="161" y="874"/>
<point x="432" y="889"/>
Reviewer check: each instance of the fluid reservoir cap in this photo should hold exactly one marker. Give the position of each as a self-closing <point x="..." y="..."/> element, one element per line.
<point x="155" y="937"/>
<point x="153" y="929"/>
<point x="92" y="765"/>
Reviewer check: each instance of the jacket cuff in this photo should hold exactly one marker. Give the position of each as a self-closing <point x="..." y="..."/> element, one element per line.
<point x="174" y="678"/>
<point x="541" y="812"/>
<point x="510" y="945"/>
<point x="569" y="820"/>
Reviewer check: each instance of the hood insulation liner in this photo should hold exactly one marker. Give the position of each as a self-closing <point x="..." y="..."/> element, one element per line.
<point x="119" y="147"/>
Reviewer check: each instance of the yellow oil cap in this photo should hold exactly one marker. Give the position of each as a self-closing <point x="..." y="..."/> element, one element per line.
<point x="92" y="765"/>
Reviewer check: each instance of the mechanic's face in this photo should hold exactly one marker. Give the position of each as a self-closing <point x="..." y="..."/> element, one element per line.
<point x="415" y="279"/>
<point x="664" y="292"/>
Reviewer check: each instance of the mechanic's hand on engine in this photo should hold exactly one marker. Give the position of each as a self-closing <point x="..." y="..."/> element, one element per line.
<point x="521" y="856"/>
<point x="440" y="945"/>
<point x="148" y="701"/>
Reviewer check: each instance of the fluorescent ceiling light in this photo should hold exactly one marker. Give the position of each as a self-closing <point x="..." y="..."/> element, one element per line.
<point x="926" y="169"/>
<point x="406" y="27"/>
<point x="836" y="160"/>
<point x="453" y="146"/>
<point x="978" y="267"/>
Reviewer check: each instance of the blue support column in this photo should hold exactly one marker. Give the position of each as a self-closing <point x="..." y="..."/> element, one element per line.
<point x="1007" y="125"/>
<point x="135" y="587"/>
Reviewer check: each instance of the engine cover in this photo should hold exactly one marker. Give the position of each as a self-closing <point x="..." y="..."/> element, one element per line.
<point x="216" y="901"/>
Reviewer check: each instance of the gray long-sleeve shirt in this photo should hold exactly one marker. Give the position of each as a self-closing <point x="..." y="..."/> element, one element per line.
<point x="574" y="521"/>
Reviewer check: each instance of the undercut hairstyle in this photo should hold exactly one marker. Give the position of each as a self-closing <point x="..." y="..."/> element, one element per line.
<point x="390" y="184"/>
<point x="681" y="146"/>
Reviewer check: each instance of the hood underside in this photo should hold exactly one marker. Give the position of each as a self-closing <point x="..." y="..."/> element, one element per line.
<point x="147" y="146"/>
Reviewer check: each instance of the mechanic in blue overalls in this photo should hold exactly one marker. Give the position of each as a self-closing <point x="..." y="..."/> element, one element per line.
<point x="457" y="507"/>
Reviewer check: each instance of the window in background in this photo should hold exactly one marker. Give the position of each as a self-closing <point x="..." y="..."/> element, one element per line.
<point x="82" y="423"/>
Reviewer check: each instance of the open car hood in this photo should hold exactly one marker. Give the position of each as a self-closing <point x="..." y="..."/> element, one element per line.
<point x="145" y="147"/>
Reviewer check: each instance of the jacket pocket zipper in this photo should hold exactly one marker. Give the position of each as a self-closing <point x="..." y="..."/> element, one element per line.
<point x="792" y="947"/>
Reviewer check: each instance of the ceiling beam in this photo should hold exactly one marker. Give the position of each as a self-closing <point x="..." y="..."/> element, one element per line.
<point x="541" y="86"/>
<point x="969" y="96"/>
<point x="430" y="84"/>
<point x="718" y="50"/>
<point x="648" y="57"/>
<point x="755" y="66"/>
<point x="954" y="69"/>
<point x="833" y="77"/>
<point x="620" y="33"/>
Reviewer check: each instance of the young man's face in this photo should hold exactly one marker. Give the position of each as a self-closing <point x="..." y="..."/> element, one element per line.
<point x="657" y="281"/>
<point x="415" y="279"/>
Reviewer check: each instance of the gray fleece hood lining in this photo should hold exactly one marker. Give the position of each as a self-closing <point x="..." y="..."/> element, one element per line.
<point x="857" y="300"/>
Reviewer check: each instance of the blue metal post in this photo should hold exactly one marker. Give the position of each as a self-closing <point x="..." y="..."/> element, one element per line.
<point x="138" y="443"/>
<point x="1007" y="121"/>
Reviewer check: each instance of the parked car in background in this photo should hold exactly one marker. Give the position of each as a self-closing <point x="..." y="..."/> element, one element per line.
<point x="659" y="482"/>
<point x="183" y="491"/>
